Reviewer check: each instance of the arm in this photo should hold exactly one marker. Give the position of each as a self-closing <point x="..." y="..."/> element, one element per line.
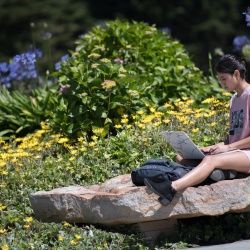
<point x="241" y="144"/>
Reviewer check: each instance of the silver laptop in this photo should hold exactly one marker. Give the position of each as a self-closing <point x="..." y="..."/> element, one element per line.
<point x="183" y="145"/>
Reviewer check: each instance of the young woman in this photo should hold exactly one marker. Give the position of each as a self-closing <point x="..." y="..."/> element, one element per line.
<point x="234" y="75"/>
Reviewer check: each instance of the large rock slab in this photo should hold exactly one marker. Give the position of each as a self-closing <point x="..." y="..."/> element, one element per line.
<point x="118" y="201"/>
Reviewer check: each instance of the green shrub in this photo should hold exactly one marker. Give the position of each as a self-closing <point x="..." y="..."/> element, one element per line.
<point x="119" y="69"/>
<point x="21" y="114"/>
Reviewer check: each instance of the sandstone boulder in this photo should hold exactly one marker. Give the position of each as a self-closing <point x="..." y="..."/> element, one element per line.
<point x="118" y="201"/>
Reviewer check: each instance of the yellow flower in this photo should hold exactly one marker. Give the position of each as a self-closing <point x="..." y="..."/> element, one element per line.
<point x="66" y="224"/>
<point x="208" y="100"/>
<point x="26" y="226"/>
<point x="128" y="126"/>
<point x="140" y="112"/>
<point x="156" y="124"/>
<point x="98" y="131"/>
<point x="4" y="184"/>
<point x="227" y="94"/>
<point x="83" y="149"/>
<point x="3" y="163"/>
<point x="168" y="105"/>
<point x="5" y="247"/>
<point x="107" y="84"/>
<point x="60" y="238"/>
<point x="198" y="115"/>
<point x="152" y="110"/>
<point x="142" y="126"/>
<point x="38" y="157"/>
<point x="4" y="172"/>
<point x="80" y="139"/>
<point x="73" y="152"/>
<point x="94" y="138"/>
<point x="125" y="120"/>
<point x="212" y="124"/>
<point x="72" y="159"/>
<point x="78" y="237"/>
<point x="105" y="244"/>
<point x="118" y="126"/>
<point x="73" y="242"/>
<point x="92" y="144"/>
<point x="2" y="231"/>
<point x="166" y="121"/>
<point x="63" y="140"/>
<point x="29" y="219"/>
<point x="195" y="130"/>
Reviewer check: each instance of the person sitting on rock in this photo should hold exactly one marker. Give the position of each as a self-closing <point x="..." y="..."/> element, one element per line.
<point x="234" y="75"/>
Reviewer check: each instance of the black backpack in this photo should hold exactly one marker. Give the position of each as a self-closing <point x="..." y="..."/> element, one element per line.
<point x="159" y="170"/>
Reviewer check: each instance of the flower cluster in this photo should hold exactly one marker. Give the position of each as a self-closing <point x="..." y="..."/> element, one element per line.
<point x="247" y="14"/>
<point x="64" y="89"/>
<point x="22" y="67"/>
<point x="239" y="42"/>
<point x="107" y="84"/>
<point x="58" y="64"/>
<point x="118" y="60"/>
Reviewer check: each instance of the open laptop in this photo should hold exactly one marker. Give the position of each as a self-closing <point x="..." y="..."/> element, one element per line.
<point x="184" y="146"/>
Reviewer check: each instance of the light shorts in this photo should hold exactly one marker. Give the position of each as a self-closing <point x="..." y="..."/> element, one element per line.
<point x="247" y="153"/>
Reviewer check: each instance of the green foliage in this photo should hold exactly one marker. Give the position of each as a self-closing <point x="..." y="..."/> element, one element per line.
<point x="153" y="70"/>
<point x="215" y="229"/>
<point x="44" y="161"/>
<point x="20" y="113"/>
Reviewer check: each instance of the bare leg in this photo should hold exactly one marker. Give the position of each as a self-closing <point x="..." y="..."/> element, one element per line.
<point x="187" y="162"/>
<point x="234" y="161"/>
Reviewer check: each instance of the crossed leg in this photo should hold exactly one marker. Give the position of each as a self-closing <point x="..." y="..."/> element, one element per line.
<point x="232" y="161"/>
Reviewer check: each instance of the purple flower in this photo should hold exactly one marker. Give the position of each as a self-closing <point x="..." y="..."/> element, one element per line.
<point x="22" y="67"/>
<point x="58" y="64"/>
<point x="166" y="30"/>
<point x="118" y="60"/>
<point x="64" y="89"/>
<point x="239" y="42"/>
<point x="247" y="13"/>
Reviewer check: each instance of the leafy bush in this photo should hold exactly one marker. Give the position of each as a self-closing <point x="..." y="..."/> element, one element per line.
<point x="118" y="69"/>
<point x="21" y="114"/>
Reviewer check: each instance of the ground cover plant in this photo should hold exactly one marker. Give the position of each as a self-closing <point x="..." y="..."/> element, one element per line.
<point x="43" y="161"/>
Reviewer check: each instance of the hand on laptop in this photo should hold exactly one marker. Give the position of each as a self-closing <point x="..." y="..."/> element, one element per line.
<point x="216" y="149"/>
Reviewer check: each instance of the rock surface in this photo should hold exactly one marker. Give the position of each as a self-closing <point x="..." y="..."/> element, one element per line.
<point x="118" y="201"/>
